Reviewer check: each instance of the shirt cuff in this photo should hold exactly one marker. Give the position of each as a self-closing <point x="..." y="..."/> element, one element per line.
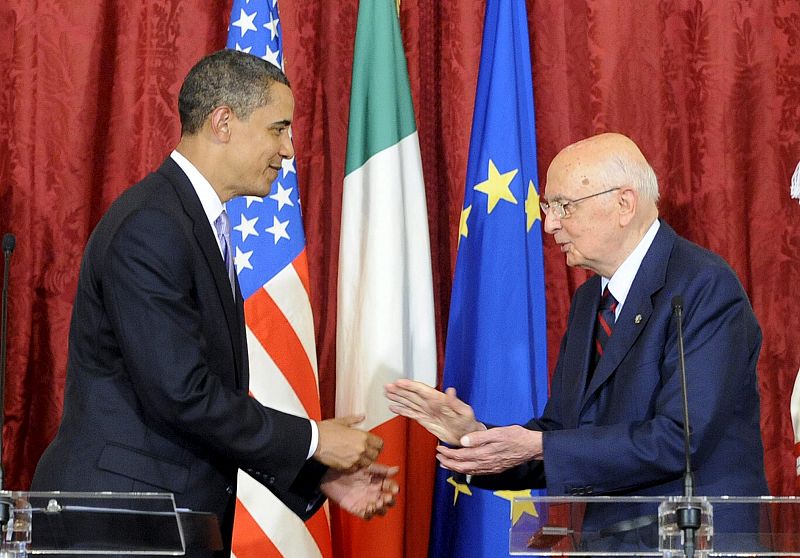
<point x="314" y="439"/>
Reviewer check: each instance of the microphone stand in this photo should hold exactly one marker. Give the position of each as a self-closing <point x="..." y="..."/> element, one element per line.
<point x="688" y="516"/>
<point x="9" y="241"/>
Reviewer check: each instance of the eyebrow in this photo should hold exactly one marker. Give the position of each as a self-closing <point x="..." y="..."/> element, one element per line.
<point x="281" y="123"/>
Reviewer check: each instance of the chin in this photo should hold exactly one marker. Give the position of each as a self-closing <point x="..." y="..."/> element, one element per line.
<point x="265" y="187"/>
<point x="255" y="193"/>
<point x="574" y="261"/>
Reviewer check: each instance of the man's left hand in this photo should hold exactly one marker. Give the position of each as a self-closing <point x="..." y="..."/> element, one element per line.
<point x="363" y="493"/>
<point x="492" y="451"/>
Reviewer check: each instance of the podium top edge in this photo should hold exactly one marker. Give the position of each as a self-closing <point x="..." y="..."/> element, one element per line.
<point x="96" y="495"/>
<point x="657" y="499"/>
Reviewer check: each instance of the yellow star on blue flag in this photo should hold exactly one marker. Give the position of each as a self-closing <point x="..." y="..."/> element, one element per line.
<point x="497" y="186"/>
<point x="518" y="507"/>
<point x="460" y="488"/>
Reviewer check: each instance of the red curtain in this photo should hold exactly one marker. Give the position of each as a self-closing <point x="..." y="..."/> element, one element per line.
<point x="710" y="89"/>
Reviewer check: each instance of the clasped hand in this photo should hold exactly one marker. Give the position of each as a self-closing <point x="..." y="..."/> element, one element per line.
<point x="354" y="481"/>
<point x="344" y="448"/>
<point x="492" y="451"/>
<point x="476" y="451"/>
<point x="364" y="493"/>
<point x="443" y="414"/>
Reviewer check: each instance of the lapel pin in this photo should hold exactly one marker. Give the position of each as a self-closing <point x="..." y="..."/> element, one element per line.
<point x="637" y="319"/>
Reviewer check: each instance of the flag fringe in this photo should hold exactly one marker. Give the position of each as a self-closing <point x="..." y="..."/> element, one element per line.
<point x="795" y="192"/>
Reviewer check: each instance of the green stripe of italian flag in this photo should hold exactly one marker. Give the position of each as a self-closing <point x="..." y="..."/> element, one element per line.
<point x="385" y="324"/>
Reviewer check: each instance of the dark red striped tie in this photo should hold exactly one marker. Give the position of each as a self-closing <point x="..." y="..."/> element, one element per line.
<point x="605" y="324"/>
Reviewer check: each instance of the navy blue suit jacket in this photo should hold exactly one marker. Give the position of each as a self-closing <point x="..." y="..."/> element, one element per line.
<point x="623" y="434"/>
<point x="156" y="397"/>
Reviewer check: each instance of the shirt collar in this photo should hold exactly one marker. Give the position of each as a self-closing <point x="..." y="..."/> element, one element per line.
<point x="212" y="206"/>
<point x="620" y="283"/>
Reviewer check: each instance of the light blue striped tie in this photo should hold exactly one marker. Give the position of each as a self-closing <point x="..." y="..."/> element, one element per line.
<point x="223" y="228"/>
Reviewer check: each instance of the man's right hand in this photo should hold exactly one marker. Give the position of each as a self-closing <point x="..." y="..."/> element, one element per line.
<point x="443" y="414"/>
<point x="344" y="448"/>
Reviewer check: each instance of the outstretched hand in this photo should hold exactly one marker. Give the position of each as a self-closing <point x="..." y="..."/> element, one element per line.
<point x="363" y="493"/>
<point x="344" y="448"/>
<point x="443" y="414"/>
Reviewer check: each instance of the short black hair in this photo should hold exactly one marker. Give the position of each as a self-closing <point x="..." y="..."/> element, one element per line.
<point x="227" y="77"/>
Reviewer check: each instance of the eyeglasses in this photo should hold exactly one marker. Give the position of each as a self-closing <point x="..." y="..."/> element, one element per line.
<point x="559" y="208"/>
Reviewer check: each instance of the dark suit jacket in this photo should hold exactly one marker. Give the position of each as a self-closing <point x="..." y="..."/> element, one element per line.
<point x="623" y="434"/>
<point x="156" y="397"/>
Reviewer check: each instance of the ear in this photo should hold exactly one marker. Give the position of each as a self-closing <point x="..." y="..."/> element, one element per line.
<point x="220" y="121"/>
<point x="627" y="200"/>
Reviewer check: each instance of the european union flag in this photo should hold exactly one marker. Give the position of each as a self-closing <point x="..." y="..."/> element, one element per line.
<point x="496" y="347"/>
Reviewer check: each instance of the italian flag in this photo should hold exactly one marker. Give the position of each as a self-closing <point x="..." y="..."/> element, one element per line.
<point x="385" y="324"/>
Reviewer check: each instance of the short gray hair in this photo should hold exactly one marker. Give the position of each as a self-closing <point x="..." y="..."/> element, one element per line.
<point x="619" y="170"/>
<point x="227" y="77"/>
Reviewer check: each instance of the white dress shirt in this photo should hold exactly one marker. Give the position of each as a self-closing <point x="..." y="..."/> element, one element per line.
<point x="620" y="283"/>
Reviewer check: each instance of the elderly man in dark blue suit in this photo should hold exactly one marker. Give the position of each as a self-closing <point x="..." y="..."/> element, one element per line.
<point x="614" y="422"/>
<point x="156" y="397"/>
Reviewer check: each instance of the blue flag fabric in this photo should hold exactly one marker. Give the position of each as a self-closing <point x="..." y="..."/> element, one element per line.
<point x="496" y="346"/>
<point x="272" y="234"/>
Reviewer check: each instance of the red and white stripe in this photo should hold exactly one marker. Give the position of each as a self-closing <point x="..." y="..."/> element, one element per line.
<point x="283" y="376"/>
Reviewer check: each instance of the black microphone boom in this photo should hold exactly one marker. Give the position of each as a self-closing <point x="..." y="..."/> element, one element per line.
<point x="9" y="242"/>
<point x="688" y="515"/>
<point x="688" y="486"/>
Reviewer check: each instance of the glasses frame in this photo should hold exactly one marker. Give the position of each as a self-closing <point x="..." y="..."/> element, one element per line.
<point x="559" y="208"/>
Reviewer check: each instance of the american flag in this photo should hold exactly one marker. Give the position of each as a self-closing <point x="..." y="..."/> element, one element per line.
<point x="270" y="256"/>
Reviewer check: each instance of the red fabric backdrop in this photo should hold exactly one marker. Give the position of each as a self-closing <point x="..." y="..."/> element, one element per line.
<point x="710" y="89"/>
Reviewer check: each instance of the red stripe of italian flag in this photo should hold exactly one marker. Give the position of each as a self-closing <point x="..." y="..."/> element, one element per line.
<point x="385" y="325"/>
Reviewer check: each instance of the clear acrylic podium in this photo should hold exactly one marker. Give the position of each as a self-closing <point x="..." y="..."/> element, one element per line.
<point x="646" y="526"/>
<point x="103" y="523"/>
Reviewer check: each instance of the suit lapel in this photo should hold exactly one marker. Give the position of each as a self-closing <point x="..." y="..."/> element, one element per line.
<point x="636" y="311"/>
<point x="578" y="351"/>
<point x="210" y="249"/>
<point x="244" y="367"/>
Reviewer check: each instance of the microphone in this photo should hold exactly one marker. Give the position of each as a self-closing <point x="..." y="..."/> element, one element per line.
<point x="9" y="242"/>
<point x="688" y="515"/>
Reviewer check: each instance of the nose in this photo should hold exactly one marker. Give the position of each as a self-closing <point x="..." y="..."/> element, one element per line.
<point x="552" y="223"/>
<point x="287" y="147"/>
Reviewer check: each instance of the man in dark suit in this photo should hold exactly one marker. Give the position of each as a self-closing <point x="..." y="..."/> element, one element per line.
<point x="156" y="398"/>
<point x="613" y="424"/>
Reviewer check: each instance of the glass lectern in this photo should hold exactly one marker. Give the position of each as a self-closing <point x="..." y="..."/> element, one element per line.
<point x="101" y="523"/>
<point x="646" y="526"/>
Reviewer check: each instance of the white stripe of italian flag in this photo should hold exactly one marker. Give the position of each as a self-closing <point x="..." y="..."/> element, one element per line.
<point x="385" y="325"/>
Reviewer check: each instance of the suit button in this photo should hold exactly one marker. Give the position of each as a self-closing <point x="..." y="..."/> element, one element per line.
<point x="229" y="489"/>
<point x="271" y="480"/>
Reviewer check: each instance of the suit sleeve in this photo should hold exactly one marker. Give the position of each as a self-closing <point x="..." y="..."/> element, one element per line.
<point x="532" y="473"/>
<point x="150" y="291"/>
